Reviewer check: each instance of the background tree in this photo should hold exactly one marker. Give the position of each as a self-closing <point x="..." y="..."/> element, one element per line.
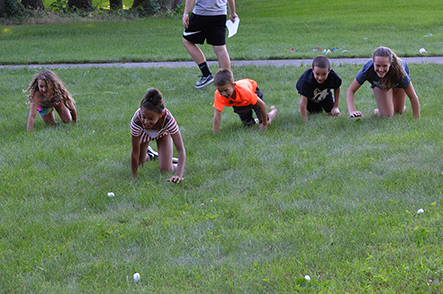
<point x="80" y="4"/>
<point x="2" y="8"/>
<point x="116" y="4"/>
<point x="36" y="4"/>
<point x="153" y="6"/>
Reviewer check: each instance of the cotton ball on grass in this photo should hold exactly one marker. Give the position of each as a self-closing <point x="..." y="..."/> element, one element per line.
<point x="111" y="194"/>
<point x="307" y="278"/>
<point x="420" y="211"/>
<point x="136" y="277"/>
<point x="422" y="50"/>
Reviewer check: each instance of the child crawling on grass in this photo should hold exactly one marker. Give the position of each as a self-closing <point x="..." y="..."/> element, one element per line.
<point x="244" y="97"/>
<point x="315" y="86"/>
<point x="46" y="93"/>
<point x="153" y="122"/>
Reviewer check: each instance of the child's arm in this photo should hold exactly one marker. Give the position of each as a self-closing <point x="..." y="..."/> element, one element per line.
<point x="414" y="101"/>
<point x="350" y="96"/>
<point x="335" y="111"/>
<point x="261" y="104"/>
<point x="74" y="114"/>
<point x="135" y="155"/>
<point x="216" y="122"/>
<point x="180" y="147"/>
<point x="36" y="99"/>
<point x="303" y="107"/>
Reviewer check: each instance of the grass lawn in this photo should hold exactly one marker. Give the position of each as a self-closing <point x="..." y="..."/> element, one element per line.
<point x="333" y="198"/>
<point x="268" y="30"/>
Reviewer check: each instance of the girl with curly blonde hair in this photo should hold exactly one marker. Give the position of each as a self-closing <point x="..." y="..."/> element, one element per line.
<point x="46" y="93"/>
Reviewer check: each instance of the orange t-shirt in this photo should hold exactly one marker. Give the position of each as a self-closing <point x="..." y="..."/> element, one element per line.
<point x="245" y="95"/>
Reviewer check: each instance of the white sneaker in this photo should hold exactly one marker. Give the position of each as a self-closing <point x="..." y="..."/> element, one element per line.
<point x="151" y="153"/>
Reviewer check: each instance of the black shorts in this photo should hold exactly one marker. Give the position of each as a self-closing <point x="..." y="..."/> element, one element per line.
<point x="317" y="107"/>
<point x="211" y="28"/>
<point x="245" y="112"/>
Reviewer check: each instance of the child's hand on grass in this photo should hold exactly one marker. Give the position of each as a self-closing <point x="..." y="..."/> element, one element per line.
<point x="355" y="114"/>
<point x="335" y="111"/>
<point x="263" y="126"/>
<point x="175" y="179"/>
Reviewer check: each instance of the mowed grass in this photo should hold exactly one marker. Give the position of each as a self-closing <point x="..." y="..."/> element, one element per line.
<point x="333" y="198"/>
<point x="268" y="30"/>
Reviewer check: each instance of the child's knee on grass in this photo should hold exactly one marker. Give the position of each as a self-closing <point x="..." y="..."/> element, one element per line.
<point x="167" y="168"/>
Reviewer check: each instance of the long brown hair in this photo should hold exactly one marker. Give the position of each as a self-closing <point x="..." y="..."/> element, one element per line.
<point x="395" y="69"/>
<point x="59" y="91"/>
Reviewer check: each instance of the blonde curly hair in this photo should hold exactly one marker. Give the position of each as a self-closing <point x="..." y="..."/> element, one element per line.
<point x="59" y="93"/>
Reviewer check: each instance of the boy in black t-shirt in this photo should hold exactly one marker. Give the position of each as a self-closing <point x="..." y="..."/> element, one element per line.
<point x="315" y="86"/>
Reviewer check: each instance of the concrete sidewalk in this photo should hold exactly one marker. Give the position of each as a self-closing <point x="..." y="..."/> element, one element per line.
<point x="280" y="62"/>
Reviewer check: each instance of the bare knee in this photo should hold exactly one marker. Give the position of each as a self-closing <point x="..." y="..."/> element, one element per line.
<point x="167" y="169"/>
<point x="387" y="114"/>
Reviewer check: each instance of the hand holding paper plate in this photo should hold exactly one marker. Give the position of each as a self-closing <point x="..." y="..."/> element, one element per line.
<point x="232" y="26"/>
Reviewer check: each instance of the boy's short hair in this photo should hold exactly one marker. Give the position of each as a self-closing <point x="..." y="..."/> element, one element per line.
<point x="321" y="61"/>
<point x="223" y="76"/>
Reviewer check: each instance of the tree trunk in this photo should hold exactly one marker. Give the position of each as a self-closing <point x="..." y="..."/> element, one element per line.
<point x="137" y="3"/>
<point x="36" y="4"/>
<point x="80" y="4"/>
<point x="2" y="8"/>
<point x="116" y="4"/>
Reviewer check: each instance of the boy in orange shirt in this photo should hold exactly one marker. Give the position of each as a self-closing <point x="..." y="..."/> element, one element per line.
<point x="244" y="96"/>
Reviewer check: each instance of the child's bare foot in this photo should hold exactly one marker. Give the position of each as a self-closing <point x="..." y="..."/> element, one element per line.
<point x="272" y="114"/>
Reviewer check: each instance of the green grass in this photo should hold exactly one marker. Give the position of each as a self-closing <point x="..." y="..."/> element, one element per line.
<point x="333" y="198"/>
<point x="268" y="30"/>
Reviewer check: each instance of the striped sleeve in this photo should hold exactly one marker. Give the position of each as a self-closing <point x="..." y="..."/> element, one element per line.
<point x="136" y="130"/>
<point x="171" y="125"/>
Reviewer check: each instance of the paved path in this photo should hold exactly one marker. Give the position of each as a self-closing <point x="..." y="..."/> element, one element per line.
<point x="280" y="62"/>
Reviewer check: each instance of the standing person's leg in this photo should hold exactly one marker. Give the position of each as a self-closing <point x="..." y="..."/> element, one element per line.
<point x="194" y="34"/>
<point x="195" y="51"/>
<point x="398" y="99"/>
<point x="199" y="58"/>
<point x="384" y="103"/>
<point x="165" y="151"/>
<point x="224" y="62"/>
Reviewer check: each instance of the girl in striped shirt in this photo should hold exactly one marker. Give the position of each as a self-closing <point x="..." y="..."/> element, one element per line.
<point x="153" y="122"/>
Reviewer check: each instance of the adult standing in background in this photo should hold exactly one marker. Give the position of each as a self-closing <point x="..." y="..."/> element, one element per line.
<point x="207" y="22"/>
